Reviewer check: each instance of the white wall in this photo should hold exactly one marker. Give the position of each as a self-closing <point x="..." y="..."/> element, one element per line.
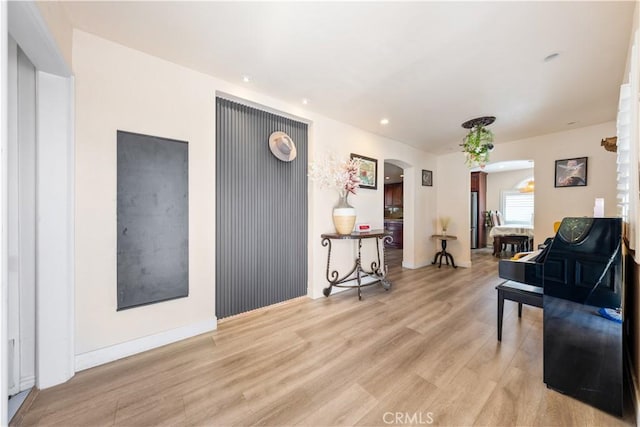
<point x="500" y="181"/>
<point x="453" y="185"/>
<point x="552" y="204"/>
<point x="120" y="88"/>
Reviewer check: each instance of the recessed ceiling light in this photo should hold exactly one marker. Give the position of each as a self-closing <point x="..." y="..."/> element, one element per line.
<point x="384" y="121"/>
<point x="551" y="57"/>
<point x="386" y="177"/>
<point x="246" y="79"/>
<point x="305" y="101"/>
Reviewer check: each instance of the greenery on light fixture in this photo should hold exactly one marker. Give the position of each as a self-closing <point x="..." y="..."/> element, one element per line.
<point x="478" y="143"/>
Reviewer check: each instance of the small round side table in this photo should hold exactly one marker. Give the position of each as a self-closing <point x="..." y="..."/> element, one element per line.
<point x="443" y="253"/>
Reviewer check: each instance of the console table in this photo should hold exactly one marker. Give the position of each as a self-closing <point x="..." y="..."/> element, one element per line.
<point x="378" y="271"/>
<point x="443" y="253"/>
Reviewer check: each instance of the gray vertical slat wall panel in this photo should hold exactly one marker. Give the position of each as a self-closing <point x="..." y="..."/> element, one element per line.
<point x="261" y="211"/>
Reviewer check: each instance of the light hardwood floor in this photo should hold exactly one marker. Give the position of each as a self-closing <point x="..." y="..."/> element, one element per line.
<point x="424" y="351"/>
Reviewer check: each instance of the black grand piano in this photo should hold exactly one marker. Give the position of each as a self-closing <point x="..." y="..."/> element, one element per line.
<point x="580" y="272"/>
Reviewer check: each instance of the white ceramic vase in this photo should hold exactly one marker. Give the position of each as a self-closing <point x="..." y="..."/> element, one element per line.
<point x="344" y="216"/>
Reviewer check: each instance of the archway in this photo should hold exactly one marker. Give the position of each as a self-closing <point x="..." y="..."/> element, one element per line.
<point x="399" y="218"/>
<point x="507" y="193"/>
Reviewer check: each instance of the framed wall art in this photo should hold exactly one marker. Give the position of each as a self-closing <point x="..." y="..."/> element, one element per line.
<point x="368" y="171"/>
<point x="571" y="172"/>
<point x="427" y="178"/>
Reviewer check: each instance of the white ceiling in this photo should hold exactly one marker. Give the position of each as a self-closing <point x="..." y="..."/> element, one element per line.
<point x="426" y="66"/>
<point x="509" y="165"/>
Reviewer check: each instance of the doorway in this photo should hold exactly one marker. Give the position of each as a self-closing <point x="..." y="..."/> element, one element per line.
<point x="21" y="218"/>
<point x="53" y="205"/>
<point x="507" y="189"/>
<point x="394" y="212"/>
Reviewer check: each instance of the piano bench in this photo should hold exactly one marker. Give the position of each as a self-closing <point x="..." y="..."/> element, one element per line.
<point x="520" y="293"/>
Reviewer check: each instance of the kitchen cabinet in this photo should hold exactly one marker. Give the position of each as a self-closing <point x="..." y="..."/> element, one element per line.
<point x="397" y="195"/>
<point x="475" y="181"/>
<point x="393" y="195"/>
<point x="388" y="195"/>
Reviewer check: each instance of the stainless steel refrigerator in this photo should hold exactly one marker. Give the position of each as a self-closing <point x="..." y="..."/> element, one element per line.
<point x="474" y="220"/>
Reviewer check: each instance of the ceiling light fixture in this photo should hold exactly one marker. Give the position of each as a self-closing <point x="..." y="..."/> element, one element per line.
<point x="551" y="57"/>
<point x="478" y="143"/>
<point x="529" y="188"/>
<point x="246" y="79"/>
<point x="305" y="101"/>
<point x="386" y="177"/>
<point x="384" y="121"/>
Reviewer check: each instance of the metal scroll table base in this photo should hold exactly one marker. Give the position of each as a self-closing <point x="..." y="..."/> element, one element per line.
<point x="378" y="270"/>
<point x="443" y="253"/>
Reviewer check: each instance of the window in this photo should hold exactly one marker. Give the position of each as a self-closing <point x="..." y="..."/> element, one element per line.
<point x="517" y="207"/>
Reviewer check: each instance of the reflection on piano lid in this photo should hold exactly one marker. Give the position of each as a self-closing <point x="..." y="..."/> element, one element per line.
<point x="526" y="270"/>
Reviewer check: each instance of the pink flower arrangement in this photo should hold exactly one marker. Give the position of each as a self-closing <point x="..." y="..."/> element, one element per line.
<point x="342" y="176"/>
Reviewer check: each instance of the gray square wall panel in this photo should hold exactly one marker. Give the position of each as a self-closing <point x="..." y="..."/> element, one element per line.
<point x="153" y="219"/>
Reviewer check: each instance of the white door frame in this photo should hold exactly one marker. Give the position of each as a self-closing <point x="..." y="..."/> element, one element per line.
<point x="21" y="210"/>
<point x="13" y="300"/>
<point x="55" y="198"/>
<point x="3" y="213"/>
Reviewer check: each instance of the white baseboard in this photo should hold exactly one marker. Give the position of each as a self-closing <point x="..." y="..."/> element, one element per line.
<point x="27" y="382"/>
<point x="464" y="264"/>
<point x="413" y="266"/>
<point x="109" y="354"/>
<point x="315" y="294"/>
<point x="318" y="293"/>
